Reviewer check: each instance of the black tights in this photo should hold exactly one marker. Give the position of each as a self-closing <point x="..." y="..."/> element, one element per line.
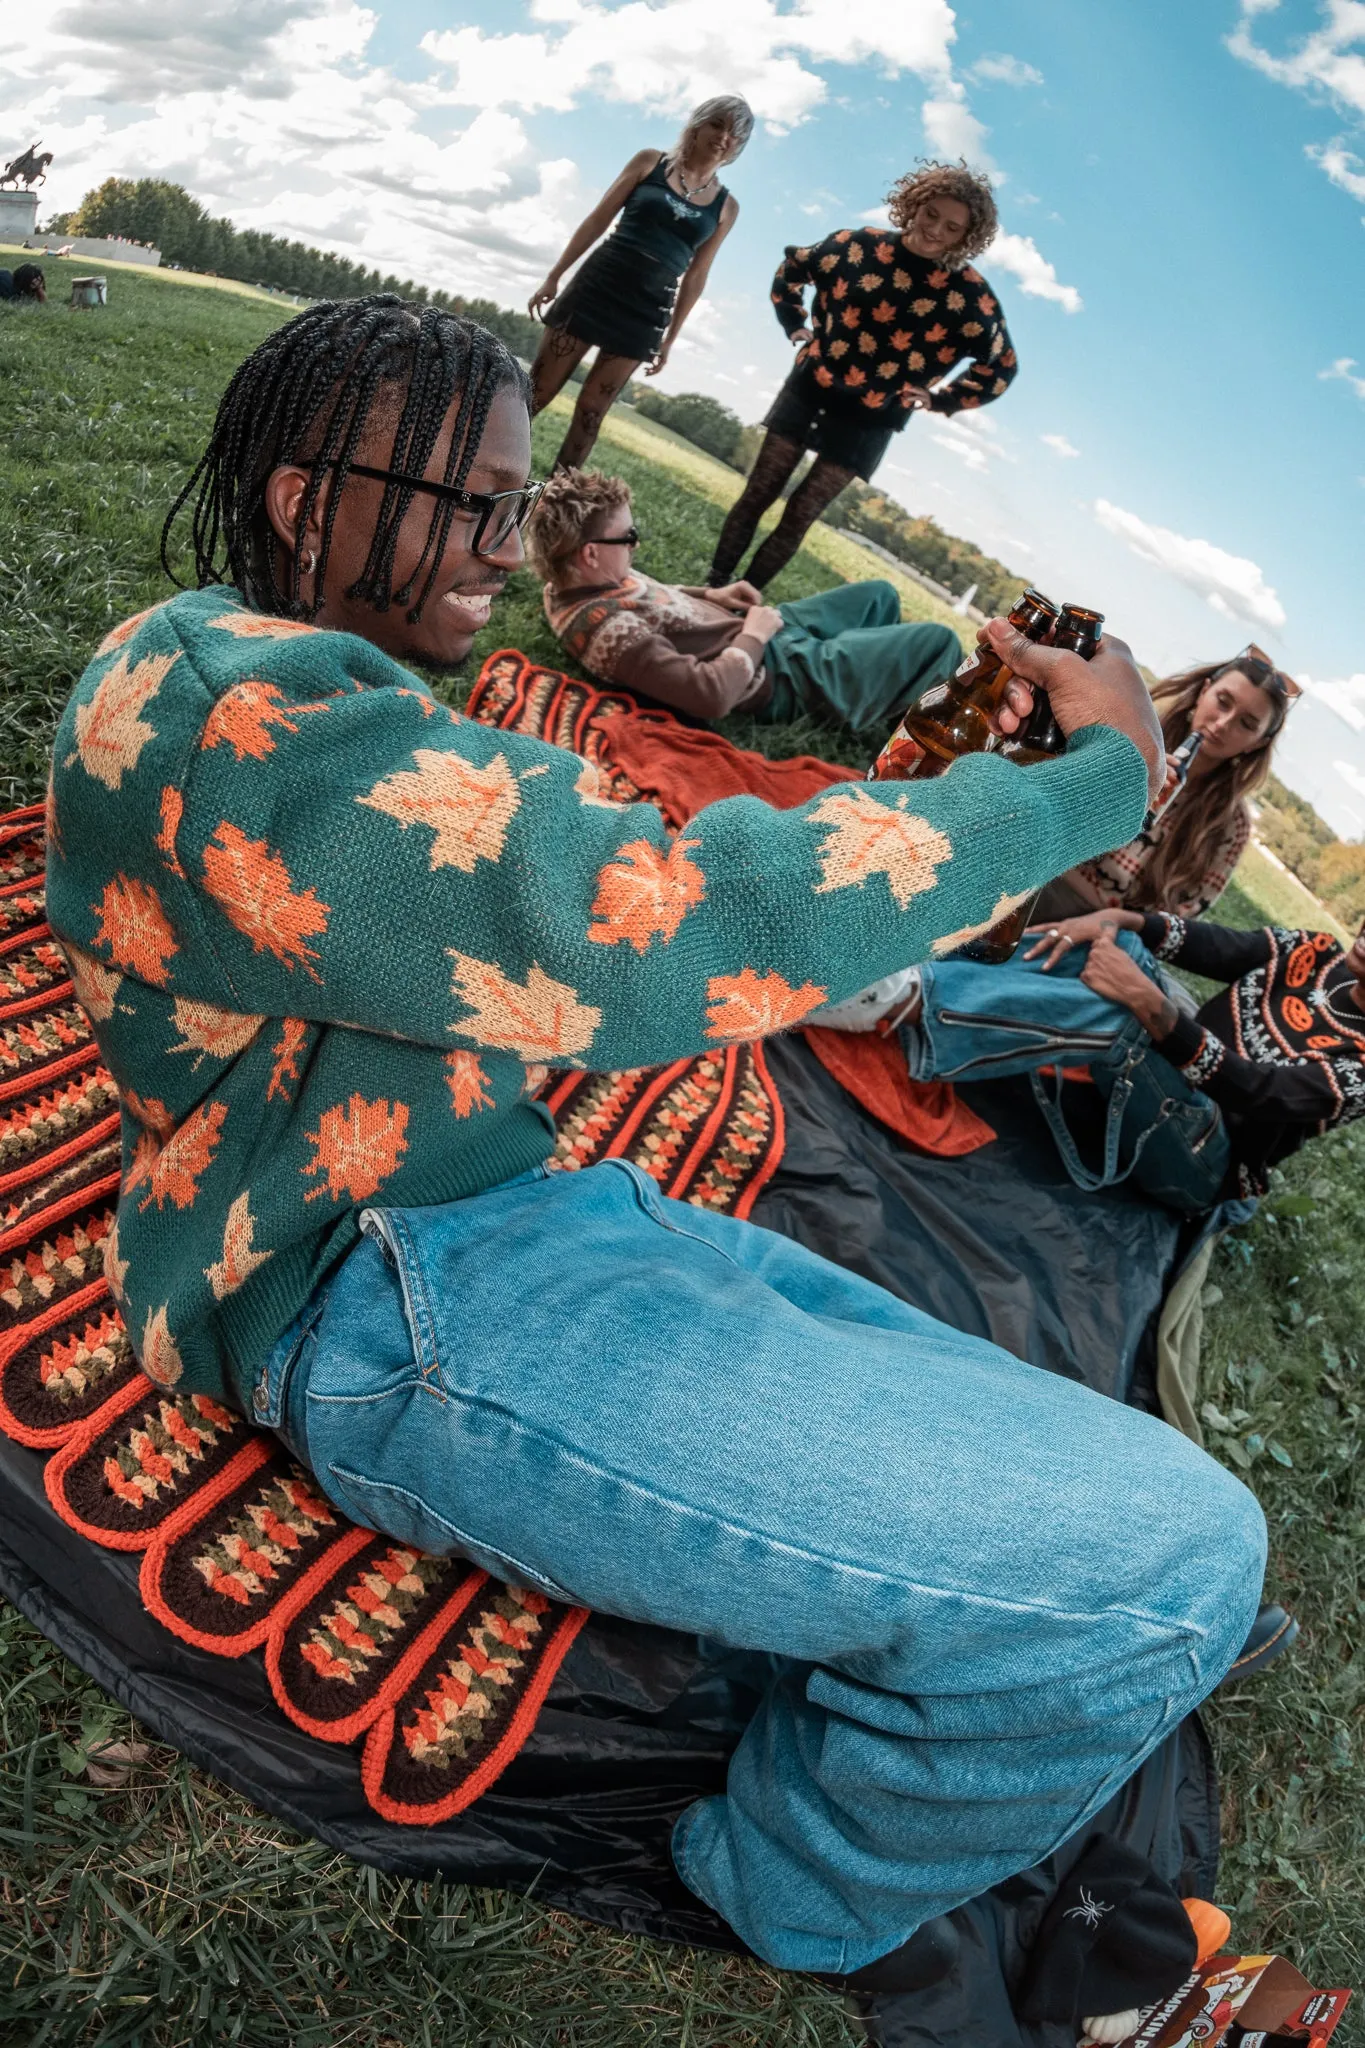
<point x="774" y="463"/>
<point x="558" y="356"/>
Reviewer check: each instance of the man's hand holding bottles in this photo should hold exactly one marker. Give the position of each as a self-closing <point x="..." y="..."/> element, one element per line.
<point x="1106" y="690"/>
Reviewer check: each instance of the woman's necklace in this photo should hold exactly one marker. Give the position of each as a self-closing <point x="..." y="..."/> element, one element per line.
<point x="689" y="192"/>
<point x="1356" y="1020"/>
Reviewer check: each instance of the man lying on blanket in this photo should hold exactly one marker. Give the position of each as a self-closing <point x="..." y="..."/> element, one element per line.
<point x="844" y="655"/>
<point x="328" y="932"/>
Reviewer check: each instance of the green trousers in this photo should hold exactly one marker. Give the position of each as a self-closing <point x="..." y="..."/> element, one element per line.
<point x="847" y="654"/>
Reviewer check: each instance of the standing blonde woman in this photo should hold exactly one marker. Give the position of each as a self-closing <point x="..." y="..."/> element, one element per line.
<point x="632" y="297"/>
<point x="1238" y="709"/>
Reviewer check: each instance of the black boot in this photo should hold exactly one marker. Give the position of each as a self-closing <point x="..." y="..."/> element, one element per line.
<point x="1272" y="1633"/>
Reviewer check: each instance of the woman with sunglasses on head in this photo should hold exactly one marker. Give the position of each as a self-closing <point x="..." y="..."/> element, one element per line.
<point x="1233" y="712"/>
<point x="632" y="297"/>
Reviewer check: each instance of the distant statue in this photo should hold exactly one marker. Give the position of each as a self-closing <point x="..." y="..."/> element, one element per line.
<point x="27" y="170"/>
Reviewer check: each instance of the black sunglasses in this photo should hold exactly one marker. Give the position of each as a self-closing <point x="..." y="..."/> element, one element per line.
<point x="629" y="539"/>
<point x="498" y="512"/>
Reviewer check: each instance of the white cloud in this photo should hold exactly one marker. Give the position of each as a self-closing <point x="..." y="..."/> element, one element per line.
<point x="273" y="114"/>
<point x="973" y="437"/>
<point x="1232" y="584"/>
<point x="1342" y="166"/>
<point x="1344" y="368"/>
<point x="1019" y="255"/>
<point x="667" y="58"/>
<point x="1343" y="694"/>
<point x="1058" y="444"/>
<point x="1328" y="64"/>
<point x="1002" y="70"/>
<point x="951" y="129"/>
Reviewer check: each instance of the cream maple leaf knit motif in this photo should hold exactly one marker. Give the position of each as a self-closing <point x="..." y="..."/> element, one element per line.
<point x="867" y="838"/>
<point x="110" y="730"/>
<point x="115" y="1268"/>
<point x="96" y="985"/>
<point x="468" y="808"/>
<point x="538" y="1019"/>
<point x="239" y="1261"/>
<point x="207" y="1028"/>
<point x="158" y="1352"/>
<point x="950" y="941"/>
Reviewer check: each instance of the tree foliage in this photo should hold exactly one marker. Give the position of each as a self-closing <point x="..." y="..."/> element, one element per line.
<point x="154" y="211"/>
<point x="697" y="418"/>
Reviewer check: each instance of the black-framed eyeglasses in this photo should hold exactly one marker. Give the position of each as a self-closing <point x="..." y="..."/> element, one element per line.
<point x="498" y="512"/>
<point x="629" y="539"/>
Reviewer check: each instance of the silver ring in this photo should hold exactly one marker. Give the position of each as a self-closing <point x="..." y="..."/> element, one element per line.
<point x="1053" y="932"/>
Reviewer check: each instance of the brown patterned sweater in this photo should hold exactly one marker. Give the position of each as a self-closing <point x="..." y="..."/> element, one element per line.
<point x="662" y="640"/>
<point x="884" y="319"/>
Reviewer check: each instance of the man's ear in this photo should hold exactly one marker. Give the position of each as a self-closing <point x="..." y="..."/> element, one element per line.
<point x="284" y="494"/>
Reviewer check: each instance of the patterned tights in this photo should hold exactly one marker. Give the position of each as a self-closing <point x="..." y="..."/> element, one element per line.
<point x="558" y="355"/>
<point x="773" y="465"/>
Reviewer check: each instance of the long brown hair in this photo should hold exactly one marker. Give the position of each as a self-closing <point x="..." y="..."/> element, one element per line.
<point x="1185" y="852"/>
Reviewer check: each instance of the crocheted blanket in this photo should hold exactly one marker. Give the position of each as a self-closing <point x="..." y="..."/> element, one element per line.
<point x="438" y="1669"/>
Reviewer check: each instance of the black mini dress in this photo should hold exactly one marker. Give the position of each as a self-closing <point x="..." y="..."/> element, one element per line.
<point x="621" y="297"/>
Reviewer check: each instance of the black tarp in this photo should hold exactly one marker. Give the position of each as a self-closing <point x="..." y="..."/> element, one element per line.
<point x="640" y="1721"/>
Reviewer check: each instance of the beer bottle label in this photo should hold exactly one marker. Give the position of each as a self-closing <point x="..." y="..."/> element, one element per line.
<point x="898" y="760"/>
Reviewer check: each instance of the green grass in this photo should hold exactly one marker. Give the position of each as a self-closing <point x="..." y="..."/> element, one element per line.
<point x="166" y="1910"/>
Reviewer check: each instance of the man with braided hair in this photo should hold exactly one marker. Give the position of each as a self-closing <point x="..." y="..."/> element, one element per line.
<point x="894" y="311"/>
<point x="330" y="935"/>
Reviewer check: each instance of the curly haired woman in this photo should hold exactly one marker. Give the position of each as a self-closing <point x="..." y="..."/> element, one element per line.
<point x="893" y="308"/>
<point x="1238" y="709"/>
<point x="636" y="289"/>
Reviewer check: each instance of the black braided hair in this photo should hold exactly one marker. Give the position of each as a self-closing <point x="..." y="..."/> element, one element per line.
<point x="308" y="395"/>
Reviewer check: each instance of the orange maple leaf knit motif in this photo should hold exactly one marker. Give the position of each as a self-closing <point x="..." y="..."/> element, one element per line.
<point x="750" y="1005"/>
<point x="643" y="892"/>
<point x="152" y="1114"/>
<point x="469" y="1084"/>
<point x="466" y="807"/>
<point x="869" y="838"/>
<point x="145" y="1153"/>
<point x="243" y="716"/>
<point x="136" y="929"/>
<point x="285" y="1053"/>
<point x="183" y="1160"/>
<point x="239" y="1261"/>
<point x="256" y="891"/>
<point x="110" y="730"/>
<point x="122" y="634"/>
<point x="359" y="1144"/>
<point x="540" y="1019"/>
<point x="172" y="811"/>
<point x="205" y="1028"/>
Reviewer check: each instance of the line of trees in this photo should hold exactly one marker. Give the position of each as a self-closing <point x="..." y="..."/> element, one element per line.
<point x="1334" y="869"/>
<point x="169" y="218"/>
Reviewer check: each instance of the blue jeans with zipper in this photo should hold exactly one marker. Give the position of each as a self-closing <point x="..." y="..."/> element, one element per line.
<point x="980" y="1023"/>
<point x="988" y="1592"/>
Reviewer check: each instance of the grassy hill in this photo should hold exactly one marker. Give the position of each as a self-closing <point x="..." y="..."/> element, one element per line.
<point x="165" y="1910"/>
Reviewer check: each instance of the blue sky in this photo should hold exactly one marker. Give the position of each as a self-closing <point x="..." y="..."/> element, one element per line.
<point x="1181" y="186"/>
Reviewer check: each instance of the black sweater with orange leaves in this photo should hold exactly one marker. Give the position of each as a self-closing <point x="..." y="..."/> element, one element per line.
<point x="885" y="319"/>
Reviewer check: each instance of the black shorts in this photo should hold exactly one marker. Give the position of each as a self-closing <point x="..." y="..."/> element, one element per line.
<point x="834" y="426"/>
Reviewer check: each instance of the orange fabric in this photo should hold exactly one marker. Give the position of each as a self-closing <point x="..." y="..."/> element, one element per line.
<point x="1212" y="1928"/>
<point x="928" y="1114"/>
<point x="681" y="768"/>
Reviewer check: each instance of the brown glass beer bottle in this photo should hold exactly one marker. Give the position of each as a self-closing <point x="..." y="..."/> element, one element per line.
<point x="956" y="717"/>
<point x="1040" y="737"/>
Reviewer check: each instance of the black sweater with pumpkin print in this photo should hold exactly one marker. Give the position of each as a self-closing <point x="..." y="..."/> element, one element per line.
<point x="1281" y="1050"/>
<point x="884" y="320"/>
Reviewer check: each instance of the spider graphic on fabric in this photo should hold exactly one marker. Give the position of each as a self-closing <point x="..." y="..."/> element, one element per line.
<point x="1090" y="1911"/>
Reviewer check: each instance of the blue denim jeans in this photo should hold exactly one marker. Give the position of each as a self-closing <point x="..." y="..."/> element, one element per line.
<point x="980" y="1023"/>
<point x="989" y="1593"/>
